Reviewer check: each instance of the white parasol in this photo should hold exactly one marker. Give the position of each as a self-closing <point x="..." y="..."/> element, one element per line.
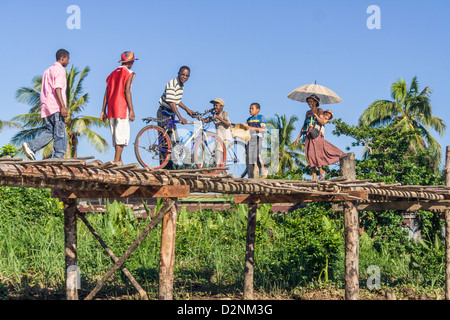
<point x="325" y="95"/>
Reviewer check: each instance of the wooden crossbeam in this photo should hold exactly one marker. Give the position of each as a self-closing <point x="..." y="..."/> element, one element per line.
<point x="299" y="198"/>
<point x="138" y="287"/>
<point x="399" y="205"/>
<point x="118" y="263"/>
<point x="167" y="191"/>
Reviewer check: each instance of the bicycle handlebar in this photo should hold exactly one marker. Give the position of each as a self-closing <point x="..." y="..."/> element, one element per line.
<point x="201" y="116"/>
<point x="196" y="114"/>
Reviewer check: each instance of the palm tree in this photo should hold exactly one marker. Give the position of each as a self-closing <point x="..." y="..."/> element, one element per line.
<point x="76" y="126"/>
<point x="290" y="156"/>
<point x="10" y="125"/>
<point x="410" y="110"/>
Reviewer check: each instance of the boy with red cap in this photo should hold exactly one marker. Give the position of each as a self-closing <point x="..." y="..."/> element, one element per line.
<point x="119" y="103"/>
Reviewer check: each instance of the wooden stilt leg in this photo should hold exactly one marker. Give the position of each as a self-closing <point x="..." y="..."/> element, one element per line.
<point x="250" y="252"/>
<point x="167" y="253"/>
<point x="351" y="251"/>
<point x="447" y="229"/>
<point x="351" y="225"/>
<point x="447" y="255"/>
<point x="70" y="240"/>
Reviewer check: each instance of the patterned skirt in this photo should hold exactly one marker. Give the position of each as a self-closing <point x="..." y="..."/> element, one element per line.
<point x="319" y="152"/>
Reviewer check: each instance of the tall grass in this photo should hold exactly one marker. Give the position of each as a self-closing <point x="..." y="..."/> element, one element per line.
<point x="293" y="251"/>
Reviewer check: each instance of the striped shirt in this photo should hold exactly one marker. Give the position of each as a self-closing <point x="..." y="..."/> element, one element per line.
<point x="172" y="93"/>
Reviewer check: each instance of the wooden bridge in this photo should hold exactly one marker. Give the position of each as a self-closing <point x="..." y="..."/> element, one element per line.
<point x="80" y="179"/>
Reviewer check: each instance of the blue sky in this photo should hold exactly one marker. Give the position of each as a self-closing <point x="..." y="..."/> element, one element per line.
<point x="242" y="51"/>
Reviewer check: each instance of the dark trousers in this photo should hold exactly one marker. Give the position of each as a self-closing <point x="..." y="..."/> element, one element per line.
<point x="172" y="134"/>
<point x="254" y="148"/>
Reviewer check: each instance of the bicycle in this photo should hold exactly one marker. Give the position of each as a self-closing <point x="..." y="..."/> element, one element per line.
<point x="236" y="158"/>
<point x="154" y="148"/>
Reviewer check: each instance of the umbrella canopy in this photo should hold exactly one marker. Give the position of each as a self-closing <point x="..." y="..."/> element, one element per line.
<point x="325" y="95"/>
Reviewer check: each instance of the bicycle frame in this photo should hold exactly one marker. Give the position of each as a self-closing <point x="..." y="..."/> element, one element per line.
<point x="197" y="133"/>
<point x="202" y="146"/>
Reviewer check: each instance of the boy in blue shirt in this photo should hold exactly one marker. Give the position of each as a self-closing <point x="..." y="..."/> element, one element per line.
<point x="256" y="124"/>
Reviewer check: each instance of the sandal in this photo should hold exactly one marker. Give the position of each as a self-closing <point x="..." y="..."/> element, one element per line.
<point x="322" y="176"/>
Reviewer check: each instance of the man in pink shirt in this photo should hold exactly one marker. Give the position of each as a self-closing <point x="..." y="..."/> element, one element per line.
<point x="53" y="109"/>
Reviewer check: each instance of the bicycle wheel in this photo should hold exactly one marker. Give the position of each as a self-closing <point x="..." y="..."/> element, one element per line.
<point x="236" y="159"/>
<point x="205" y="152"/>
<point x="152" y="147"/>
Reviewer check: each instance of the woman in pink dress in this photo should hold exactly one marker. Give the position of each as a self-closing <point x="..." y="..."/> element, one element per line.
<point x="318" y="151"/>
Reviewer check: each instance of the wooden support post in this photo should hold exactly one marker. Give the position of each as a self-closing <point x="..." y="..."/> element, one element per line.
<point x="70" y="242"/>
<point x="447" y="167"/>
<point x="447" y="229"/>
<point x="150" y="226"/>
<point x="347" y="164"/>
<point x="167" y="252"/>
<point x="250" y="251"/>
<point x="351" y="225"/>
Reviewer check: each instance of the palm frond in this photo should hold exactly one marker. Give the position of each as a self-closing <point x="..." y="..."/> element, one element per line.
<point x="29" y="96"/>
<point x="78" y="105"/>
<point x="380" y="112"/>
<point x="30" y="120"/>
<point x="94" y="121"/>
<point x="95" y="140"/>
<point x="414" y="87"/>
<point x="79" y="87"/>
<point x="10" y="125"/>
<point x="432" y="122"/>
<point x="26" y="135"/>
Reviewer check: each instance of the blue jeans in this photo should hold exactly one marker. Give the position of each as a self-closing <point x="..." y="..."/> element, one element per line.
<point x="55" y="129"/>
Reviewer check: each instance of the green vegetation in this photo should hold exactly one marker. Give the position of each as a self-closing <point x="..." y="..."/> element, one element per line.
<point x="296" y="251"/>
